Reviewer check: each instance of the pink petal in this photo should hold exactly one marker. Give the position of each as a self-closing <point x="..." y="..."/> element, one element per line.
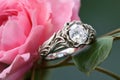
<point x="18" y="68"/>
<point x="12" y="36"/>
<point x="31" y="45"/>
<point x="61" y="12"/>
<point x="76" y="10"/>
<point x="33" y="41"/>
<point x="39" y="11"/>
<point x="7" y="57"/>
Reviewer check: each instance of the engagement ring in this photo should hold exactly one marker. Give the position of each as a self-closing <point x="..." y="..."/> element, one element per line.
<point x="74" y="34"/>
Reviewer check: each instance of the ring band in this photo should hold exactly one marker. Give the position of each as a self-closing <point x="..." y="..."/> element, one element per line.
<point x="73" y="35"/>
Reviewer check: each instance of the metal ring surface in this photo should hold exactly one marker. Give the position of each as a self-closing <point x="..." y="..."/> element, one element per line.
<point x="73" y="35"/>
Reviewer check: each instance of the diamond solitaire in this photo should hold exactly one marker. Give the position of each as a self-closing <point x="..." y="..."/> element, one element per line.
<point x="78" y="33"/>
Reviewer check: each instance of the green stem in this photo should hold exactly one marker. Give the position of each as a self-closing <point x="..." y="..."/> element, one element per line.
<point x="33" y="73"/>
<point x="43" y="72"/>
<point x="99" y="69"/>
<point x="111" y="74"/>
<point x="112" y="32"/>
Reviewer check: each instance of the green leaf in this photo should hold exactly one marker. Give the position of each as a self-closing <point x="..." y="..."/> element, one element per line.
<point x="116" y="35"/>
<point x="92" y="55"/>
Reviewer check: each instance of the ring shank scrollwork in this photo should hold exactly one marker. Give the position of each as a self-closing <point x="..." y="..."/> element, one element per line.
<point x="73" y="35"/>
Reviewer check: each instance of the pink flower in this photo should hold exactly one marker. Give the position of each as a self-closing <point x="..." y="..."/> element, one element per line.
<point x="24" y="26"/>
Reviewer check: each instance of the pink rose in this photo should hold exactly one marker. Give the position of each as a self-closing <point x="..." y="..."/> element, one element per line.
<point x="24" y="26"/>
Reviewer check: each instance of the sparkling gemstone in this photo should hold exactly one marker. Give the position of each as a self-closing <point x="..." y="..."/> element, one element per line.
<point x="78" y="33"/>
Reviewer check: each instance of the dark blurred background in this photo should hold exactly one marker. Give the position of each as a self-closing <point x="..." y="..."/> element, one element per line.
<point x="104" y="16"/>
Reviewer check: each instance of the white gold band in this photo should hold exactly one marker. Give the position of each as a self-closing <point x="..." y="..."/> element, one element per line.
<point x="73" y="35"/>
